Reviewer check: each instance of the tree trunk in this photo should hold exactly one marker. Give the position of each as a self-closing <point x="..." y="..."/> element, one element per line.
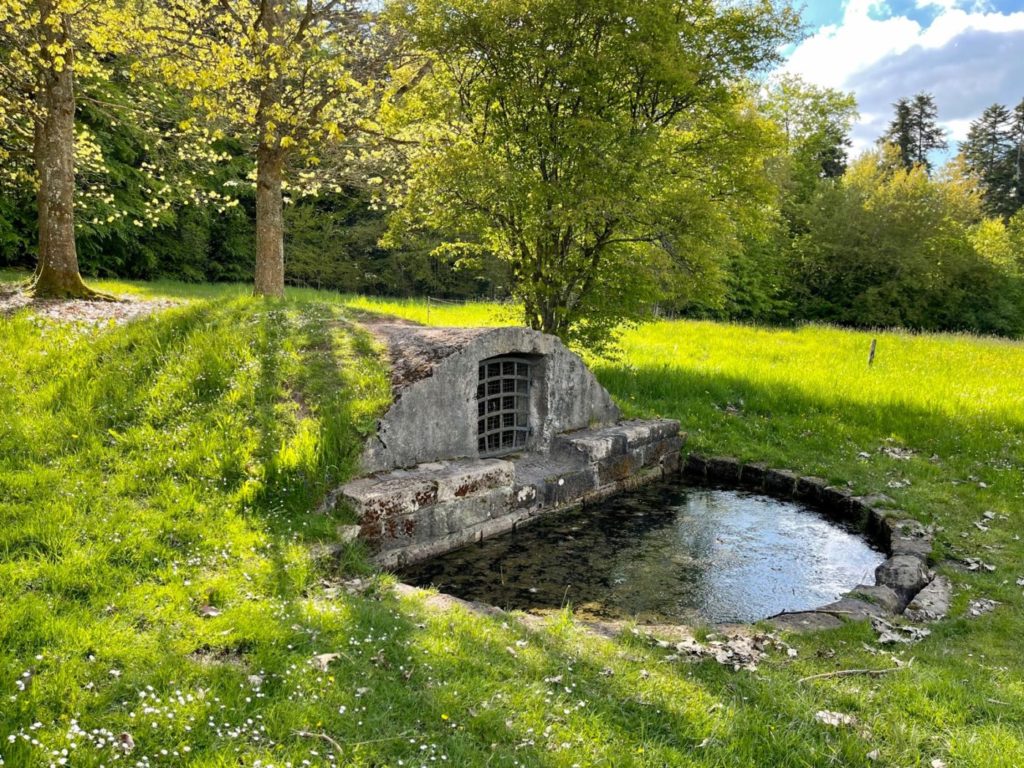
<point x="57" y="273"/>
<point x="269" y="222"/>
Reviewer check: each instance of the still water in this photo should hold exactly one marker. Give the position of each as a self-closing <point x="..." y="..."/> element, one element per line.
<point x="667" y="553"/>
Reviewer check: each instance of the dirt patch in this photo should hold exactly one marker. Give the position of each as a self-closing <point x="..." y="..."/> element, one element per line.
<point x="95" y="313"/>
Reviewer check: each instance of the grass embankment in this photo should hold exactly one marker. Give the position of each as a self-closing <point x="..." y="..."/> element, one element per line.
<point x="152" y="471"/>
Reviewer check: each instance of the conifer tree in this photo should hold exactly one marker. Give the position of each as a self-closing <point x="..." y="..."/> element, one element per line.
<point x="990" y="154"/>
<point x="915" y="131"/>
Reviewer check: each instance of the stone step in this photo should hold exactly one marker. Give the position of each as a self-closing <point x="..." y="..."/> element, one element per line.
<point x="405" y="491"/>
<point x="601" y="443"/>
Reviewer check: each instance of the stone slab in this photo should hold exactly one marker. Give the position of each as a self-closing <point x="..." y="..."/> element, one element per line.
<point x="695" y="466"/>
<point x="752" y="476"/>
<point x="808" y="621"/>
<point x="904" y="574"/>
<point x="723" y="469"/>
<point x="907" y="537"/>
<point x="836" y="500"/>
<point x="653" y="452"/>
<point x="459" y="479"/>
<point x="569" y="486"/>
<point x="879" y="594"/>
<point x="810" y="489"/>
<point x="617" y="468"/>
<point x="780" y="482"/>
<point x="396" y="493"/>
<point x="932" y="602"/>
<point x="854" y="609"/>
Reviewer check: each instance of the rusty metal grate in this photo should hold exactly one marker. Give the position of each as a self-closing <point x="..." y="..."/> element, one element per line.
<point x="503" y="405"/>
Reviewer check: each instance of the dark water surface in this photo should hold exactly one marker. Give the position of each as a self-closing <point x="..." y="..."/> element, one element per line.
<point x="667" y="553"/>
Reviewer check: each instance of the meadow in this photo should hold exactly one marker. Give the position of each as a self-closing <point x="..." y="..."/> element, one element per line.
<point x="160" y="605"/>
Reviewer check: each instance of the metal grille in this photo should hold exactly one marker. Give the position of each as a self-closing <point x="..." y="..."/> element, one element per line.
<point x="503" y="405"/>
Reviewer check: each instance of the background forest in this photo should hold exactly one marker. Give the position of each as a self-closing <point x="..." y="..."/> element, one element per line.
<point x="168" y="156"/>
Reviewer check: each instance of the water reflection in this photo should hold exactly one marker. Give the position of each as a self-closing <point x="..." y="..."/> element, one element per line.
<point x="665" y="553"/>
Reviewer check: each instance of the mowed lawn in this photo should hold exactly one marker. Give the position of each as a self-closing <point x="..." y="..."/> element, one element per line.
<point x="159" y="605"/>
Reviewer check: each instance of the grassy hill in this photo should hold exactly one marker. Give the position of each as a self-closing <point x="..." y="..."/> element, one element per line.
<point x="157" y="588"/>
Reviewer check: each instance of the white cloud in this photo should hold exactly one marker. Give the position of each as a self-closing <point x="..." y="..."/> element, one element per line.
<point x="969" y="58"/>
<point x="834" y="51"/>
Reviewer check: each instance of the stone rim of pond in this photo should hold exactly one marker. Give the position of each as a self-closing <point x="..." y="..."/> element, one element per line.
<point x="905" y="585"/>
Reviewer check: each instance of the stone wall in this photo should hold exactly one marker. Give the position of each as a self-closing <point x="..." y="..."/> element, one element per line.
<point x="408" y="515"/>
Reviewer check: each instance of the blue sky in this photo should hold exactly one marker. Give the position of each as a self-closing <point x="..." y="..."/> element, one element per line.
<point x="968" y="53"/>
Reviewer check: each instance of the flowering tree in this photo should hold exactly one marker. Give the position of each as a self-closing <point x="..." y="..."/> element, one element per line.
<point x="57" y="56"/>
<point x="290" y="78"/>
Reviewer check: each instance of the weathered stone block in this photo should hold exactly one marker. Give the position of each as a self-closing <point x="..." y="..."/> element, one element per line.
<point x="639" y="433"/>
<point x="879" y="594"/>
<point x="458" y="479"/>
<point x="877" y="518"/>
<point x="570" y="486"/>
<point x="810" y="489"/>
<point x="835" y="500"/>
<point x="873" y="500"/>
<point x="401" y="530"/>
<point x="904" y="574"/>
<point x="524" y="496"/>
<point x="394" y="494"/>
<point x="853" y="608"/>
<point x="932" y="602"/>
<point x="723" y="469"/>
<point x="807" y="621"/>
<point x="907" y="537"/>
<point x="696" y="466"/>
<point x="780" y="482"/>
<point x="464" y="513"/>
<point x="653" y="452"/>
<point x="752" y="476"/>
<point x="592" y="445"/>
<point x="670" y="463"/>
<point x="617" y="468"/>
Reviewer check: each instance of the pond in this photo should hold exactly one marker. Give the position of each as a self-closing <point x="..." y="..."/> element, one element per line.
<point x="666" y="553"/>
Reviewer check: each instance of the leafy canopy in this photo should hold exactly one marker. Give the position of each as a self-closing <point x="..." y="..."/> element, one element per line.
<point x="599" y="148"/>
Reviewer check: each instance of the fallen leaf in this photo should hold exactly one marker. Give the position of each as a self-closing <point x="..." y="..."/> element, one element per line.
<point x="897" y="633"/>
<point x="323" y="660"/>
<point x="981" y="606"/>
<point x="835" y="719"/>
<point x="125" y="742"/>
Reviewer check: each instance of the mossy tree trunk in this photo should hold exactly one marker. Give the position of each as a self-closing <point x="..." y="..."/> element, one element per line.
<point x="269" y="222"/>
<point x="56" y="273"/>
<point x="270" y="157"/>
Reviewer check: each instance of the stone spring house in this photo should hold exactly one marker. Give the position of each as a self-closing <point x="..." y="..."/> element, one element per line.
<point x="489" y="428"/>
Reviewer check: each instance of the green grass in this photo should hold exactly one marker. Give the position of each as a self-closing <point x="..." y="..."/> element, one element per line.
<point x="149" y="470"/>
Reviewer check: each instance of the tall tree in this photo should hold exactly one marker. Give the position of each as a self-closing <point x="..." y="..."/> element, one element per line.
<point x="595" y="147"/>
<point x="39" y="50"/>
<point x="287" y="78"/>
<point x="60" y="61"/>
<point x="816" y="124"/>
<point x="915" y="131"/>
<point x="1017" y="155"/>
<point x="990" y="153"/>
